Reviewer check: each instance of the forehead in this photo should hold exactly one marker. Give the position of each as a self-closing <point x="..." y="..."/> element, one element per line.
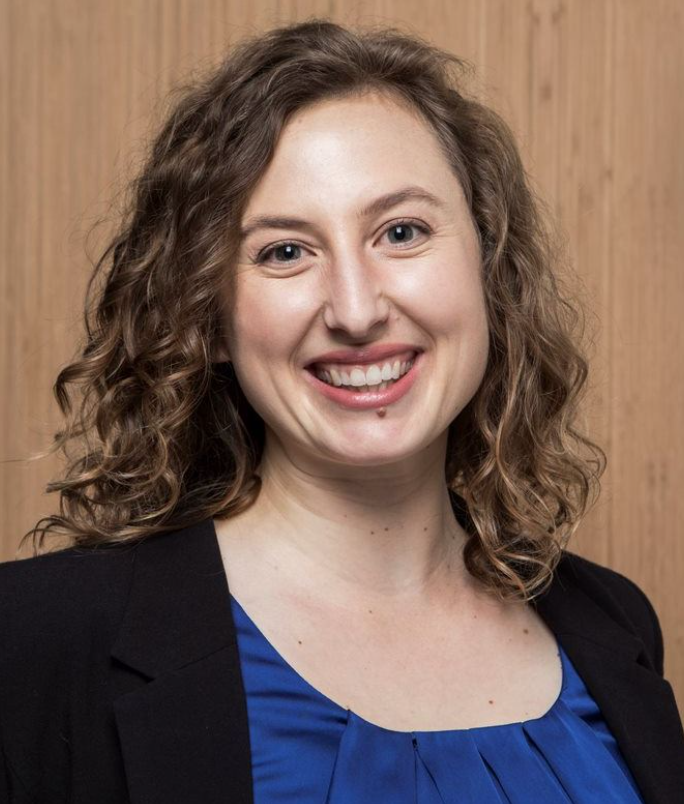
<point x="354" y="127"/>
<point x="366" y="112"/>
<point x="347" y="154"/>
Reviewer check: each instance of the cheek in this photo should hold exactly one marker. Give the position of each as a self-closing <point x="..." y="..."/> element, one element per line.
<point x="258" y="322"/>
<point x="452" y="309"/>
<point x="254" y="337"/>
<point x="266" y="333"/>
<point x="254" y="349"/>
<point x="449" y="301"/>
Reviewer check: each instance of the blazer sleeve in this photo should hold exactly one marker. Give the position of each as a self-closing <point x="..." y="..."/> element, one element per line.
<point x="656" y="644"/>
<point x="59" y="615"/>
<point x="623" y="600"/>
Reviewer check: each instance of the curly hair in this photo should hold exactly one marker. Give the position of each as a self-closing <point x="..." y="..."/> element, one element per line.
<point x="166" y="438"/>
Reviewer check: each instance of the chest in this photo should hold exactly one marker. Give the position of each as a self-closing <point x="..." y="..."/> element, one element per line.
<point x="429" y="671"/>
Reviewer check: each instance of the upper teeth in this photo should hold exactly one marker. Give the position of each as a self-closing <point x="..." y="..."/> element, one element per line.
<point x="373" y="375"/>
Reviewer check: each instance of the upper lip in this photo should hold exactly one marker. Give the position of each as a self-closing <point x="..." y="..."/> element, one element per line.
<point x="368" y="354"/>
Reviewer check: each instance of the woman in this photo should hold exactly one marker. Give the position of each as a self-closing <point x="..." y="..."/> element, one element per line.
<point x="331" y="468"/>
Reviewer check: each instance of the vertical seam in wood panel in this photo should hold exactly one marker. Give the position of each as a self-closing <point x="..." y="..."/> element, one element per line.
<point x="609" y="201"/>
<point x="482" y="43"/>
<point x="7" y="63"/>
<point x="530" y="73"/>
<point x="560" y="61"/>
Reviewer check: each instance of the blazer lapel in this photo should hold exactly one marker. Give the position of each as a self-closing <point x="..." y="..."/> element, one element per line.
<point x="636" y="702"/>
<point x="184" y="734"/>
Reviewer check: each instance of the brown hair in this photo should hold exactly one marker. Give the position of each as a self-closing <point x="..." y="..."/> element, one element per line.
<point x="166" y="438"/>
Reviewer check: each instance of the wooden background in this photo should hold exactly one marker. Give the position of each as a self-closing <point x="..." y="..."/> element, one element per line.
<point x="593" y="90"/>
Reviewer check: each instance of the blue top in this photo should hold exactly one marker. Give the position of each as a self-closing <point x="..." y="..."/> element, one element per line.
<point x="307" y="749"/>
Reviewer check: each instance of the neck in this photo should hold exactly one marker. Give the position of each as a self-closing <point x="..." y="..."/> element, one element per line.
<point x="368" y="536"/>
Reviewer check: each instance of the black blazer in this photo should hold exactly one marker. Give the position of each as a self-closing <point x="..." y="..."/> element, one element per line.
<point x="120" y="678"/>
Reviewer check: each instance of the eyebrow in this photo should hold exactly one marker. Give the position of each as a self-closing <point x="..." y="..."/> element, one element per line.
<point x="378" y="205"/>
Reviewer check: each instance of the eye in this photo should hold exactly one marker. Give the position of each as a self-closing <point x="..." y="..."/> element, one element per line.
<point x="287" y="248"/>
<point x="405" y="225"/>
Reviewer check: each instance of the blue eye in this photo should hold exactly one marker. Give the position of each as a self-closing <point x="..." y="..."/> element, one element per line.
<point x="287" y="247"/>
<point x="403" y="227"/>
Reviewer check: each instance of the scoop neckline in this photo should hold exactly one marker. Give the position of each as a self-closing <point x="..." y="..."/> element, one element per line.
<point x="351" y="713"/>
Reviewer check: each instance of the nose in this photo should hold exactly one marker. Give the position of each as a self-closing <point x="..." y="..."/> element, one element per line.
<point x="355" y="302"/>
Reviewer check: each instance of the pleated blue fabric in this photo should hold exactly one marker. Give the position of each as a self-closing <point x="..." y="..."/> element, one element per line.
<point x="307" y="749"/>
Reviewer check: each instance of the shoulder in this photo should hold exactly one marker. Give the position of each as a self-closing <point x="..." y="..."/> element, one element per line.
<point x="67" y="573"/>
<point x="51" y="602"/>
<point x="617" y="595"/>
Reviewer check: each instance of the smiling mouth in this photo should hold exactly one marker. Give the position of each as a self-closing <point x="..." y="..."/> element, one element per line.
<point x="361" y="379"/>
<point x="366" y="386"/>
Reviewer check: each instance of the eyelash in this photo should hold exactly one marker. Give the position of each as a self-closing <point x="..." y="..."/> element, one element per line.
<point x="263" y="255"/>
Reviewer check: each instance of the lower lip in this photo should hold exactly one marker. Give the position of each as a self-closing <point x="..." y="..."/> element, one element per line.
<point x="367" y="400"/>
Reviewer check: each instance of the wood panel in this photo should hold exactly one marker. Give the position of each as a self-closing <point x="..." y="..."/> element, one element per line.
<point x="593" y="92"/>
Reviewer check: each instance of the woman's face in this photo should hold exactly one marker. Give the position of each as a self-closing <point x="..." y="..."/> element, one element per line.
<point x="354" y="272"/>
